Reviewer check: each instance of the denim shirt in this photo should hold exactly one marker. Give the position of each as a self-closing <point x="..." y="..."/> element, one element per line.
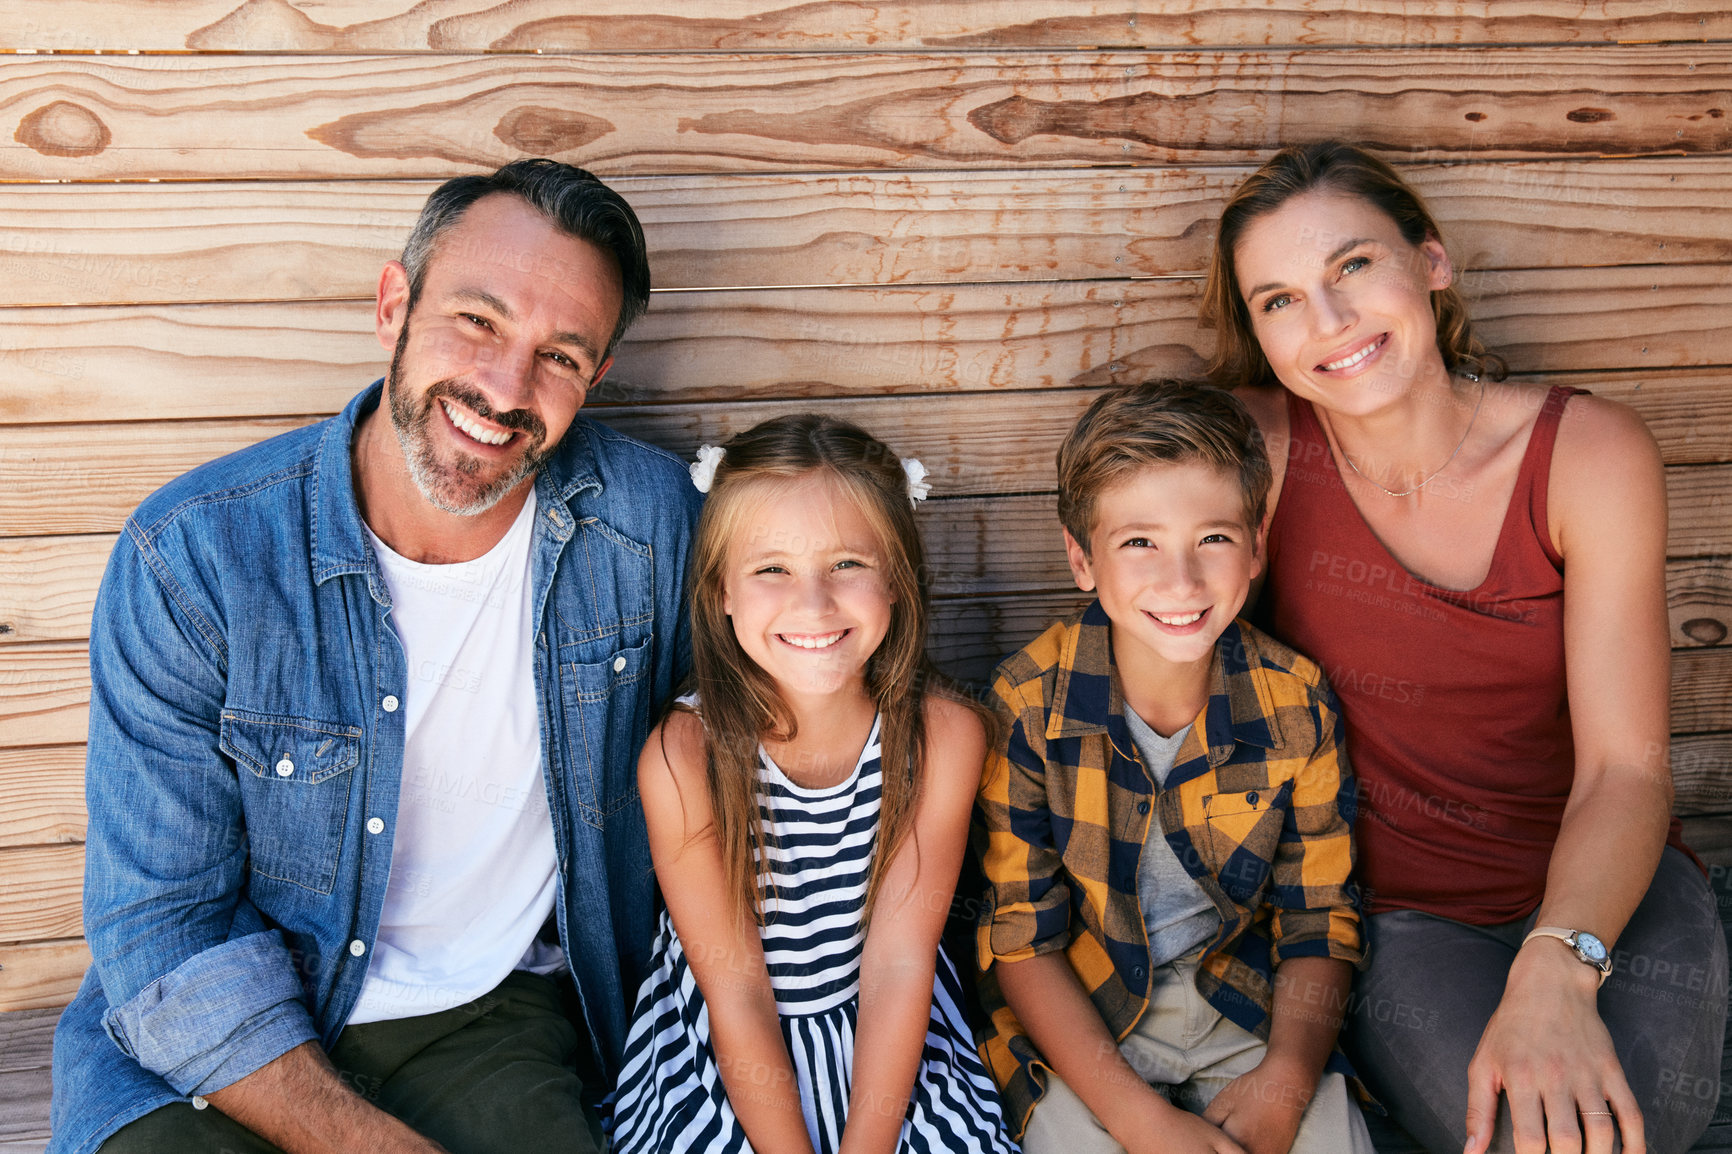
<point x="246" y="754"/>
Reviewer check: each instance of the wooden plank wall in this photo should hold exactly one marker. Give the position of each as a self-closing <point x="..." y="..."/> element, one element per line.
<point x="953" y="220"/>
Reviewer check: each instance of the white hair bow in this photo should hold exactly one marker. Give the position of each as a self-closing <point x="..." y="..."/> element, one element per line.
<point x="916" y="474"/>
<point x="703" y="470"/>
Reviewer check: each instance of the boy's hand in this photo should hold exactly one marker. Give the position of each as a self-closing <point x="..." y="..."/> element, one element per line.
<point x="1262" y="1108"/>
<point x="1178" y="1131"/>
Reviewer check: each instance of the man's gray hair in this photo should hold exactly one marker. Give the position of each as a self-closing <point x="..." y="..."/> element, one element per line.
<point x="573" y="200"/>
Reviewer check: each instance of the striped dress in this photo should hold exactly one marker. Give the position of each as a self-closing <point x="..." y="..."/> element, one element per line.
<point x="819" y="855"/>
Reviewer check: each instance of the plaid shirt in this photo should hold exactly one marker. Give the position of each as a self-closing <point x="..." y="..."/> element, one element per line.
<point x="1259" y="805"/>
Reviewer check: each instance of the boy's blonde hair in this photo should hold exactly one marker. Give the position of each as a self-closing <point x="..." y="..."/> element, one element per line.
<point x="1158" y="423"/>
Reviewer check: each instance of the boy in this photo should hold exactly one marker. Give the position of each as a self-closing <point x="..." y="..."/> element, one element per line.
<point x="1167" y="814"/>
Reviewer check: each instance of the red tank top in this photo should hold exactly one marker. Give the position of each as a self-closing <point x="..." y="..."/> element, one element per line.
<point x="1458" y="725"/>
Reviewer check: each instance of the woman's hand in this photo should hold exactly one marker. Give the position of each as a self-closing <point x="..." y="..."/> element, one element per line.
<point x="1547" y="1051"/>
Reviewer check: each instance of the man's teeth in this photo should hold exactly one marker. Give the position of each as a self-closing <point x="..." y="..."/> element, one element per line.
<point x="472" y="429"/>
<point x="1349" y="362"/>
<point x="821" y="642"/>
<point x="1180" y="619"/>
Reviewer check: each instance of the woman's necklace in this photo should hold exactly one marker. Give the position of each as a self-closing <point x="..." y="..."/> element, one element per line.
<point x="1434" y="473"/>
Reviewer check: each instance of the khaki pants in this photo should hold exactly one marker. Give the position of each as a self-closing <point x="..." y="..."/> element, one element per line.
<point x="1185" y="1049"/>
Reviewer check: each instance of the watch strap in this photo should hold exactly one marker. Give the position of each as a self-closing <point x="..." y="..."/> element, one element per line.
<point x="1568" y="937"/>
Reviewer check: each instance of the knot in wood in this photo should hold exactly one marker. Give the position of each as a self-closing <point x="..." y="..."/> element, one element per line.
<point x="1705" y="630"/>
<point x="64" y="129"/>
<point x="538" y="131"/>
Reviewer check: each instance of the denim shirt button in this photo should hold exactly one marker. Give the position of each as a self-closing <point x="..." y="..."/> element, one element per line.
<point x="357" y="947"/>
<point x="618" y="664"/>
<point x="199" y="1103"/>
<point x="390" y="703"/>
<point x="285" y="767"/>
<point x="375" y="825"/>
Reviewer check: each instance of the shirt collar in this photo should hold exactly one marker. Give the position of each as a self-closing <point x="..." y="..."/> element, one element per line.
<point x="340" y="543"/>
<point x="1087" y="696"/>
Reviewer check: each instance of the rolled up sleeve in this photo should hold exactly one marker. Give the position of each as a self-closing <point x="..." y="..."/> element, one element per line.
<point x="217" y="1016"/>
<point x="1316" y="909"/>
<point x="1027" y="901"/>
<point x="201" y="991"/>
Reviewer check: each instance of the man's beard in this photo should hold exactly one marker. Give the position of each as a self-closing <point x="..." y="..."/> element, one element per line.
<point x="457" y="486"/>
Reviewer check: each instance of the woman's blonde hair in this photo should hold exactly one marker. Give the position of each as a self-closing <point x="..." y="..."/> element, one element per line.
<point x="738" y="701"/>
<point x="1330" y="166"/>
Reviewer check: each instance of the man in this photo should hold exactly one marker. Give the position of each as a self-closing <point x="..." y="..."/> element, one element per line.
<point x="367" y="868"/>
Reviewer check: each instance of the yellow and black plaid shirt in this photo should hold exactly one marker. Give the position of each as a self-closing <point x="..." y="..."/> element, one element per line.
<point x="1259" y="805"/>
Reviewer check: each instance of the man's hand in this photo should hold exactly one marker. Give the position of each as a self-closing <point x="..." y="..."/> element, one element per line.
<point x="300" y="1104"/>
<point x="1261" y="1108"/>
<point x="1547" y="1050"/>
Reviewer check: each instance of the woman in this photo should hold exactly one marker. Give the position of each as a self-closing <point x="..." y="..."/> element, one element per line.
<point x="1479" y="566"/>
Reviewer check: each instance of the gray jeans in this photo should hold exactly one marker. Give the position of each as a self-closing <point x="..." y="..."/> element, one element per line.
<point x="1419" y="1010"/>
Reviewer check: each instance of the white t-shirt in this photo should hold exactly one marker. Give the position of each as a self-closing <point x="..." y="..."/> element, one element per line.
<point x="473" y="864"/>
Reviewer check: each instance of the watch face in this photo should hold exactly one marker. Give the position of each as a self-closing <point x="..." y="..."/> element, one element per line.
<point x="1591" y="949"/>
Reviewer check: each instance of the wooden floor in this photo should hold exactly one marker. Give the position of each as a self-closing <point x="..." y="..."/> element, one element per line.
<point x="25" y="1040"/>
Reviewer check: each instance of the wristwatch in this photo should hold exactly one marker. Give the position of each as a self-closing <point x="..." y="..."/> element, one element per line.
<point x="1588" y="948"/>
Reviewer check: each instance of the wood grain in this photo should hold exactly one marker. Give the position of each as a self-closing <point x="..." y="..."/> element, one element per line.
<point x="44" y="700"/>
<point x="1699" y="499"/>
<point x="26" y="1049"/>
<point x="41" y="795"/>
<point x="26" y="1040"/>
<point x="48" y="585"/>
<point x="1702" y="690"/>
<point x="24" y="1107"/>
<point x="1640" y="318"/>
<point x="40" y="893"/>
<point x="156" y="362"/>
<point x="1702" y="773"/>
<point x="1699" y="600"/>
<point x="211" y="241"/>
<point x="744" y="26"/>
<point x="42" y="974"/>
<point x="310" y="117"/>
<point x="87" y="478"/>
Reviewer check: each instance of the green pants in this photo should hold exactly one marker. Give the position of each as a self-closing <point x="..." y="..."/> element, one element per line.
<point x="495" y="1074"/>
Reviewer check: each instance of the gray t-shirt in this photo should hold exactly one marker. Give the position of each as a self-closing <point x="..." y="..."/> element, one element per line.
<point x="1177" y="913"/>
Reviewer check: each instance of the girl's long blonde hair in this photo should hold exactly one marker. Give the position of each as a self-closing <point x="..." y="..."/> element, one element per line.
<point x="739" y="703"/>
<point x="1329" y="166"/>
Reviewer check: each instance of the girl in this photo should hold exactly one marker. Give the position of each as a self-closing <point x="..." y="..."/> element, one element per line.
<point x="1479" y="567"/>
<point x="807" y="809"/>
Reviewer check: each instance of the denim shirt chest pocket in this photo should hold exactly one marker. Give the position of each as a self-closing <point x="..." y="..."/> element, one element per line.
<point x="294" y="778"/>
<point x="605" y="646"/>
